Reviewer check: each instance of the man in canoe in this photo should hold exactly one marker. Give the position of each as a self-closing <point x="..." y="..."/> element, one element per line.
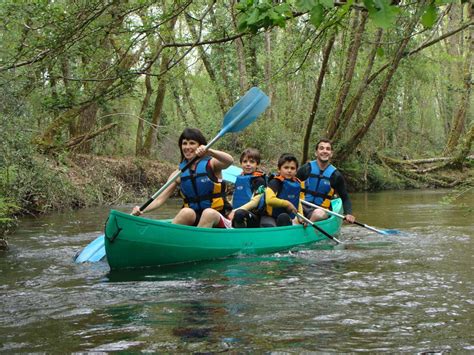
<point x="201" y="186"/>
<point x="322" y="181"/>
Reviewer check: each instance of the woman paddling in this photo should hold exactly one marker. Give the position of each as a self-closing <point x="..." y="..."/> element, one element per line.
<point x="201" y="186"/>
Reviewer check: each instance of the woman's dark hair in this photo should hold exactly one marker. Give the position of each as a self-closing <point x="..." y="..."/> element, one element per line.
<point x="287" y="157"/>
<point x="191" y="134"/>
<point x="251" y="153"/>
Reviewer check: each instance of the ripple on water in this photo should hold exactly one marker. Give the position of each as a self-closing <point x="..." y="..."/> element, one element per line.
<point x="117" y="346"/>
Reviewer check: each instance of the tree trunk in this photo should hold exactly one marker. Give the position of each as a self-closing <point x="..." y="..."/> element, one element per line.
<point x="221" y="96"/>
<point x="349" y="147"/>
<point x="317" y="95"/>
<point x="189" y="100"/>
<point x="46" y="140"/>
<point x="351" y="61"/>
<point x="355" y="101"/>
<point x="150" y="139"/>
<point x="179" y="105"/>
<point x="142" y="115"/>
<point x="459" y="120"/>
<point x="465" y="148"/>
<point x="252" y="64"/>
<point x="223" y="65"/>
<point x="268" y="71"/>
<point x="85" y="124"/>
<point x="239" y="47"/>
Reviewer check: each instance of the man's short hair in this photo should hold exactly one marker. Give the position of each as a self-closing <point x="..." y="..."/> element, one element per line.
<point x="323" y="140"/>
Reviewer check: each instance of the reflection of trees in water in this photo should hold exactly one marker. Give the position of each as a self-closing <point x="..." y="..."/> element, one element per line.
<point x="219" y="319"/>
<point x="198" y="315"/>
<point x="211" y="314"/>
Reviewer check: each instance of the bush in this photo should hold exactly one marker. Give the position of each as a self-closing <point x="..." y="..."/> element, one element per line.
<point x="7" y="222"/>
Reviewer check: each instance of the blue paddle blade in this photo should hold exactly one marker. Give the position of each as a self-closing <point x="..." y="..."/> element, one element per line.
<point x="93" y="252"/>
<point x="245" y="111"/>
<point x="390" y="231"/>
<point x="230" y="174"/>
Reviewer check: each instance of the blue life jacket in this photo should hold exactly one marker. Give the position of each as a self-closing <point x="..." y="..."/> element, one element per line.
<point x="243" y="188"/>
<point x="290" y="191"/>
<point x="198" y="190"/>
<point x="317" y="187"/>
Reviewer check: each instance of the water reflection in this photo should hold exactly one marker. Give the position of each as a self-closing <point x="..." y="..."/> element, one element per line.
<point x="407" y="293"/>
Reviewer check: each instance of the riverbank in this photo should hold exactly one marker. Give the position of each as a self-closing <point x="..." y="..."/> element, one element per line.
<point x="44" y="185"/>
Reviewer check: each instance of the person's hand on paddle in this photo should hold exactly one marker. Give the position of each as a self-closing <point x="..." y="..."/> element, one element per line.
<point x="291" y="208"/>
<point x="350" y="218"/>
<point x="136" y="211"/>
<point x="201" y="151"/>
<point x="299" y="220"/>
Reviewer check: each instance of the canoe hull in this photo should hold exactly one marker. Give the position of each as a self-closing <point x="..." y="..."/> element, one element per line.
<point x="135" y="242"/>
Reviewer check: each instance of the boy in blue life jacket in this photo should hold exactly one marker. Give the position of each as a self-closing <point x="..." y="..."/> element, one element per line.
<point x="283" y="195"/>
<point x="281" y="201"/>
<point x="246" y="185"/>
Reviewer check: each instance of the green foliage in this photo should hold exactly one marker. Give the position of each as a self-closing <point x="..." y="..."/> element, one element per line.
<point x="262" y="14"/>
<point x="382" y="12"/>
<point x="362" y="175"/>
<point x="7" y="221"/>
<point x="65" y="53"/>
<point x="430" y="16"/>
<point x="458" y="196"/>
<point x="255" y="14"/>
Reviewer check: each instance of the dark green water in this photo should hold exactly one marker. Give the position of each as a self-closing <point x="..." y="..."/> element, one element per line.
<point x="408" y="293"/>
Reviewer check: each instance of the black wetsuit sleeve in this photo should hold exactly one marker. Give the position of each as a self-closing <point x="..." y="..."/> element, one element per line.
<point x="257" y="182"/>
<point x="303" y="172"/>
<point x="339" y="185"/>
<point x="275" y="185"/>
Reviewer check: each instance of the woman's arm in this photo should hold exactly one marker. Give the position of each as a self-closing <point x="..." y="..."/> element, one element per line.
<point x="219" y="160"/>
<point x="160" y="199"/>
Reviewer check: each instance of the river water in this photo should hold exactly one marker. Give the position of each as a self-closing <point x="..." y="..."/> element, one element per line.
<point x="412" y="292"/>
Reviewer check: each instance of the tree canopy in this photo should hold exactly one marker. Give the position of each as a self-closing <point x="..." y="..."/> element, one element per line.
<point x="379" y="77"/>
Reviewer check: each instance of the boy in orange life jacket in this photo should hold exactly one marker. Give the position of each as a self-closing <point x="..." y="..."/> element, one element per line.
<point x="246" y="185"/>
<point x="283" y="194"/>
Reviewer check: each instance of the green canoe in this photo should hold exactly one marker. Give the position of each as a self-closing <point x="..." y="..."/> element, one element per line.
<point x="134" y="242"/>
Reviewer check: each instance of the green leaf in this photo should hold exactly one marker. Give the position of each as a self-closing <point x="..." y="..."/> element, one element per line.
<point x="380" y="52"/>
<point x="305" y="5"/>
<point x="254" y="17"/>
<point x="276" y="18"/>
<point x="284" y="9"/>
<point x="328" y="4"/>
<point x="369" y="4"/>
<point x="381" y="12"/>
<point x="316" y="15"/>
<point x="429" y="17"/>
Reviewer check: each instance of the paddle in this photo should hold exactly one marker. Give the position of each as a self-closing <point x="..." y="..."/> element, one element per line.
<point x="318" y="229"/>
<point x="379" y="231"/>
<point x="230" y="174"/>
<point x="243" y="113"/>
